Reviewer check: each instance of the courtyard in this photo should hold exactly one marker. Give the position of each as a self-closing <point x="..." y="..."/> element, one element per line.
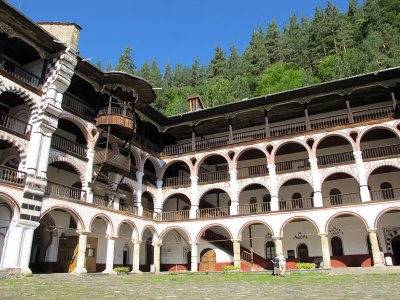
<point x="349" y="283"/>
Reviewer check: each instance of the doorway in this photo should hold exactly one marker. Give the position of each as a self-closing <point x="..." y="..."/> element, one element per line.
<point x="396" y="250"/>
<point x="208" y="260"/>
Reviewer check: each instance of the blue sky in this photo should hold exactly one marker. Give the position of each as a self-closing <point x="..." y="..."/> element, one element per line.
<point x="174" y="31"/>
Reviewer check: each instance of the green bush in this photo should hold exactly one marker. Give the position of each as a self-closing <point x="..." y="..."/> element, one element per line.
<point x="231" y="268"/>
<point x="121" y="269"/>
<point x="305" y="266"/>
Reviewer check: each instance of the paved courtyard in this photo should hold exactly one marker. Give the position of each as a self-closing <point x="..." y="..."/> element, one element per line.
<point x="338" y="284"/>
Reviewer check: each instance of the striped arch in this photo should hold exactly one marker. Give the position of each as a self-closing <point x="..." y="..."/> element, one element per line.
<point x="345" y="213"/>
<point x="297" y="218"/>
<point x="136" y="156"/>
<point x="285" y="142"/>
<point x="251" y="223"/>
<point x="79" y="169"/>
<point x="81" y="125"/>
<point x="21" y="148"/>
<point x="373" y="165"/>
<point x="254" y="147"/>
<point x="80" y="225"/>
<point x="245" y="183"/>
<point x="282" y="179"/>
<point x="154" y="161"/>
<point x="365" y="130"/>
<point x="393" y="208"/>
<point x="12" y="204"/>
<point x="330" y="134"/>
<point x="210" y="187"/>
<point x="201" y="159"/>
<point x="170" y="193"/>
<point x="169" y="229"/>
<point x="129" y="182"/>
<point x="340" y="169"/>
<point x="113" y="142"/>
<point x="135" y="233"/>
<point x="198" y="237"/>
<point x="152" y="230"/>
<point x="23" y="94"/>
<point x="171" y="162"/>
<point x="107" y="220"/>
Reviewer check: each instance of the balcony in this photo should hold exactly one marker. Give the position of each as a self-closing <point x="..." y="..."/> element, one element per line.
<point x="116" y="160"/>
<point x="255" y="208"/>
<point x="14" y="125"/>
<point x="381" y="152"/>
<point x="252" y="171"/>
<point x="292" y="165"/>
<point x="76" y="105"/>
<point x="296" y="204"/>
<point x="210" y="177"/>
<point x="56" y="190"/>
<point x="385" y="195"/>
<point x="148" y="213"/>
<point x="128" y="209"/>
<point x="12" y="176"/>
<point x="335" y="159"/>
<point x="101" y="200"/>
<point x="173" y="216"/>
<point x="214" y="212"/>
<point x="341" y="199"/>
<point x="120" y="120"/>
<point x="176" y="182"/>
<point x="19" y="73"/>
<point x="67" y="146"/>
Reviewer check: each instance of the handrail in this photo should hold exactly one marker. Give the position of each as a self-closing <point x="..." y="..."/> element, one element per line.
<point x="331" y="121"/>
<point x="175" y="182"/>
<point x="12" y="176"/>
<point x="128" y="208"/>
<point x="212" y="212"/>
<point x="212" y="143"/>
<point x="77" y="105"/>
<point x="254" y="208"/>
<point x="147" y="213"/>
<point x="341" y="199"/>
<point x="296" y="204"/>
<point x="252" y="171"/>
<point x="64" y="144"/>
<point x="14" y="124"/>
<point x="65" y="192"/>
<point x="250" y="135"/>
<point x="215" y="176"/>
<point x="385" y="194"/>
<point x="367" y="114"/>
<point x="335" y="158"/>
<point x="384" y="151"/>
<point x="173" y="215"/>
<point x="292" y="165"/>
<point x="120" y="111"/>
<point x="19" y="72"/>
<point x="288" y="129"/>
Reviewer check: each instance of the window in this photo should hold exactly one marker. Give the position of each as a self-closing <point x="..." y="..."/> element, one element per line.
<point x="297" y="201"/>
<point x="337" y="246"/>
<point x="335" y="197"/>
<point x="387" y="190"/>
<point x="253" y="204"/>
<point x="270" y="250"/>
<point x="267" y="202"/>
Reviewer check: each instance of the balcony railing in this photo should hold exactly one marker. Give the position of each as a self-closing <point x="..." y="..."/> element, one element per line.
<point x="173" y="215"/>
<point x="292" y="165"/>
<point x="63" y="144"/>
<point x="212" y="212"/>
<point x="384" y="151"/>
<point x="14" y="125"/>
<point x="119" y="111"/>
<point x="128" y="208"/>
<point x="77" y="105"/>
<point x="19" y="72"/>
<point x="57" y="190"/>
<point x="255" y="208"/>
<point x="217" y="176"/>
<point x="12" y="176"/>
<point x="336" y="158"/>
<point x="101" y="200"/>
<point x="148" y="213"/>
<point x="385" y="194"/>
<point x="342" y="199"/>
<point x="252" y="171"/>
<point x="287" y="129"/>
<point x="296" y="204"/>
<point x="112" y="158"/>
<point x="175" y="182"/>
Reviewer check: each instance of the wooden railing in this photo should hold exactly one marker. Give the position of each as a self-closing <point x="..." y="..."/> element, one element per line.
<point x="292" y="165"/>
<point x="112" y="158"/>
<point x="19" y="72"/>
<point x="101" y="200"/>
<point x="119" y="111"/>
<point x="252" y="171"/>
<point x="68" y="146"/>
<point x="255" y="208"/>
<point x="212" y="212"/>
<point x="147" y="213"/>
<point x="173" y="215"/>
<point x="14" y="124"/>
<point x="296" y="204"/>
<point x="129" y="209"/>
<point x="12" y="176"/>
<point x="336" y="158"/>
<point x="342" y="199"/>
<point x="57" y="190"/>
<point x="77" y="105"/>
<point x="287" y="129"/>
<point x="174" y="182"/>
<point x="385" y="194"/>
<point x="216" y="176"/>
<point x="246" y="256"/>
<point x="384" y="151"/>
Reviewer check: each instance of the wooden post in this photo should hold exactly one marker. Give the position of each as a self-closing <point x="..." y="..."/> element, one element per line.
<point x="230" y="132"/>
<point x="349" y="112"/>
<point x="267" y="129"/>
<point x="193" y="139"/>
<point x="308" y="124"/>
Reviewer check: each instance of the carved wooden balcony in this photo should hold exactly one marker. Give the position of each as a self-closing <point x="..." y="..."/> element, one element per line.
<point x="120" y="120"/>
<point x="112" y="159"/>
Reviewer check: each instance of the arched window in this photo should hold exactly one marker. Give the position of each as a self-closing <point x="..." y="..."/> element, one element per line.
<point x="302" y="252"/>
<point x="387" y="190"/>
<point x="267" y="202"/>
<point x="337" y="246"/>
<point x="297" y="201"/>
<point x="270" y="250"/>
<point x="335" y="197"/>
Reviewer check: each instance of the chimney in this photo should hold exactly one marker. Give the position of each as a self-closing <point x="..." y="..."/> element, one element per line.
<point x="68" y="33"/>
<point x="195" y="103"/>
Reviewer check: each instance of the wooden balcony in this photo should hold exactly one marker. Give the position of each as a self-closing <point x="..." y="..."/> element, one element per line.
<point x="67" y="146"/>
<point x="101" y="200"/>
<point x="173" y="216"/>
<point x="128" y="209"/>
<point x="296" y="204"/>
<point x="255" y="208"/>
<point x="385" y="195"/>
<point x="217" y="176"/>
<point x="381" y="152"/>
<point x="148" y="214"/>
<point x="76" y="105"/>
<point x="15" y="126"/>
<point x="212" y="212"/>
<point x="20" y="73"/>
<point x="252" y="171"/>
<point x="335" y="159"/>
<point x="292" y="165"/>
<point x="12" y="176"/>
<point x="120" y="120"/>
<point x="56" y="190"/>
<point x="176" y="182"/>
<point x="342" y="199"/>
<point x="110" y="158"/>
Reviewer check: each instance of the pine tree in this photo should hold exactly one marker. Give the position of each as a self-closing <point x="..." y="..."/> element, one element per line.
<point x="125" y="62"/>
<point x="218" y="64"/>
<point x="155" y="74"/>
<point x="195" y="76"/>
<point x="235" y="67"/>
<point x="273" y="43"/>
<point x="255" y="56"/>
<point x="168" y="75"/>
<point x="144" y="71"/>
<point x="99" y="65"/>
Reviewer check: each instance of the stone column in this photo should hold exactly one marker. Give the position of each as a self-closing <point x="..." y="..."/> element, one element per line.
<point x="274" y="190"/>
<point x="236" y="253"/>
<point x="44" y="153"/>
<point x="12" y="246"/>
<point x="364" y="191"/>
<point x="88" y="176"/>
<point x="110" y="255"/>
<point x="278" y="244"/>
<point x="159" y="196"/>
<point x="316" y="182"/>
<point x="157" y="257"/>
<point x="25" y="255"/>
<point x="376" y="253"/>
<point x="80" y="264"/>
<point x="233" y="210"/>
<point x="139" y="187"/>
<point x="136" y="256"/>
<point x="194" y="266"/>
<point x="194" y="194"/>
<point x="326" y="258"/>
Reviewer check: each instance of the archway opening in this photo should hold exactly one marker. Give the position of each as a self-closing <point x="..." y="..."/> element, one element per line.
<point x="296" y="194"/>
<point x="214" y="203"/>
<point x="174" y="251"/>
<point x="291" y="157"/>
<point x="177" y="175"/>
<point x="213" y="169"/>
<point x="334" y="150"/>
<point x="252" y="163"/>
<point x="176" y="207"/>
<point x="340" y="189"/>
<point x="384" y="184"/>
<point x="388" y="232"/>
<point x="254" y="198"/>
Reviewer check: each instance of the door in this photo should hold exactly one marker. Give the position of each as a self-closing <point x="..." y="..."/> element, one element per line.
<point x="396" y="250"/>
<point x="302" y="253"/>
<point x="208" y="260"/>
<point x="67" y="254"/>
<point x="91" y="254"/>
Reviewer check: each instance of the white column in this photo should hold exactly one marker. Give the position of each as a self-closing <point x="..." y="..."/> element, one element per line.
<point x="139" y="188"/>
<point x="278" y="244"/>
<point x="236" y="253"/>
<point x="44" y="153"/>
<point x="326" y="257"/>
<point x="316" y="182"/>
<point x="157" y="257"/>
<point x="364" y="192"/>
<point x="159" y="195"/>
<point x="136" y="256"/>
<point x="274" y="189"/>
<point x="194" y="264"/>
<point x="25" y="255"/>
<point x="80" y="264"/>
<point x="88" y="176"/>
<point x="233" y="211"/>
<point x="12" y="246"/>
<point x="194" y="195"/>
<point x="34" y="149"/>
<point x="110" y="255"/>
<point x="376" y="253"/>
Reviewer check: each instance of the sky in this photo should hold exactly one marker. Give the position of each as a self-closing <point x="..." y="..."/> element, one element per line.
<point x="170" y="31"/>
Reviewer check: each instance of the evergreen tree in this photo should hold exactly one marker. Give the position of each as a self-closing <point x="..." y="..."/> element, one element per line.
<point x="155" y="74"/>
<point x="99" y="65"/>
<point x="255" y="56"/>
<point x="144" y="71"/>
<point x="168" y="75"/>
<point x="218" y="64"/>
<point x="234" y="64"/>
<point x="125" y="62"/>
<point x="273" y="43"/>
<point x="109" y="67"/>
<point x="195" y="76"/>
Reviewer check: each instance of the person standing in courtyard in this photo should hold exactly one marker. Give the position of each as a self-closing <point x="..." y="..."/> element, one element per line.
<point x="282" y="264"/>
<point x="275" y="261"/>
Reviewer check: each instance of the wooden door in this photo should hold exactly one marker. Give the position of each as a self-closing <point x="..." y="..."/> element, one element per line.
<point x="91" y="254"/>
<point x="208" y="260"/>
<point x="67" y="254"/>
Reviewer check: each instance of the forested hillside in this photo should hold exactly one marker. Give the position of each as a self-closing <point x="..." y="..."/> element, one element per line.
<point x="330" y="45"/>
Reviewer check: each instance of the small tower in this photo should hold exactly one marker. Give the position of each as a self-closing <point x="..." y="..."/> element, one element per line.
<point x="195" y="103"/>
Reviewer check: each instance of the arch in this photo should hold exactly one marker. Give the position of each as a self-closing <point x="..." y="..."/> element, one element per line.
<point x="173" y="193"/>
<point x="136" y="157"/>
<point x="248" y="223"/>
<point x="80" y="225"/>
<point x="173" y="161"/>
<point x="13" y="140"/>
<point x="282" y="179"/>
<point x="246" y="183"/>
<point x="298" y="218"/>
<point x="86" y="130"/>
<point x="112" y="141"/>
<point x="169" y="229"/>
<point x="247" y="148"/>
<point x="23" y="94"/>
<point x="154" y="162"/>
<point x="129" y="183"/>
<point x="374" y="165"/>
<point x="200" y="160"/>
<point x="135" y="233"/>
<point x="107" y="220"/>
<point x="289" y="141"/>
<point x="12" y="205"/>
<point x="364" y="131"/>
<point x="198" y="237"/>
<point x="332" y="134"/>
<point x="344" y="213"/>
<point x="386" y="210"/>
<point x="152" y="229"/>
<point x="213" y="187"/>
<point x="340" y="169"/>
